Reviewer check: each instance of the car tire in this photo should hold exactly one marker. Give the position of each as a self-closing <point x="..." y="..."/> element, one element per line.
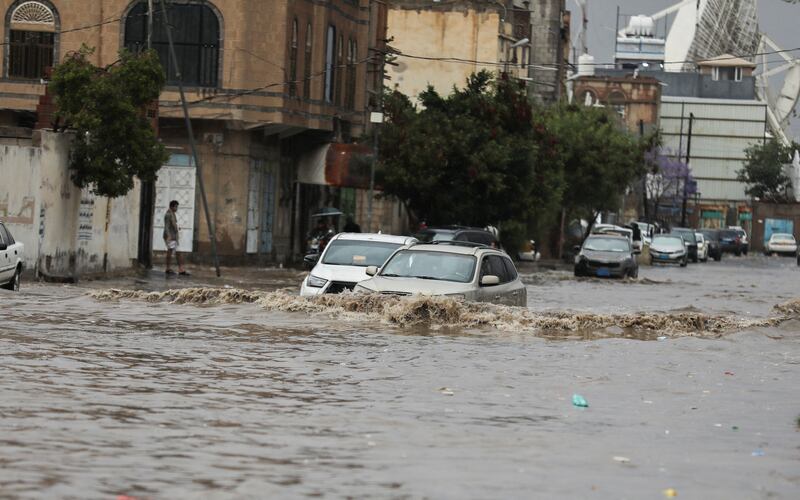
<point x="13" y="285"/>
<point x="718" y="257"/>
<point x="634" y="273"/>
<point x="578" y="274"/>
<point x="684" y="262"/>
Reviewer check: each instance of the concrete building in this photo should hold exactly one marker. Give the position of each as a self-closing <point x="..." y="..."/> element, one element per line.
<point x="440" y="43"/>
<point x="267" y="82"/>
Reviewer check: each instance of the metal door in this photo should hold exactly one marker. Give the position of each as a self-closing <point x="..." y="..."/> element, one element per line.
<point x="267" y="210"/>
<point x="772" y="226"/>
<point x="253" y="192"/>
<point x="176" y="181"/>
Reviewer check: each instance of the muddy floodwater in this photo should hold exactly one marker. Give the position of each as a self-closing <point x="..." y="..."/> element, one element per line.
<point x="236" y="388"/>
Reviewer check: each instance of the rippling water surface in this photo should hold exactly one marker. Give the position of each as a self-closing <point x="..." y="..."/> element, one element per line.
<point x="104" y="396"/>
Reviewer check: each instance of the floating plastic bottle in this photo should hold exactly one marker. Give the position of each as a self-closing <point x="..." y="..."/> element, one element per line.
<point x="578" y="400"/>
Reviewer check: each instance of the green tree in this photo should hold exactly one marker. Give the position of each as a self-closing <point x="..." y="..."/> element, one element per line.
<point x="763" y="170"/>
<point x="600" y="158"/>
<point x="105" y="107"/>
<point x="467" y="158"/>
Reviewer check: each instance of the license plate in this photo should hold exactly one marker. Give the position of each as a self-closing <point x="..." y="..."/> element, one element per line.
<point x="663" y="257"/>
<point x="603" y="272"/>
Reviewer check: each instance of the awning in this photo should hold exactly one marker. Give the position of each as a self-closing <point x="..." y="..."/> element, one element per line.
<point x="340" y="165"/>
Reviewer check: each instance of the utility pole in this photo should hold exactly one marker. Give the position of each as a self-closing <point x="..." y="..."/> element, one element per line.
<point x="211" y="230"/>
<point x="686" y="174"/>
<point x="149" y="24"/>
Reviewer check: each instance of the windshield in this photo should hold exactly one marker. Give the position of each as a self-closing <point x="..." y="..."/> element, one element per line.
<point x="358" y="253"/>
<point x="687" y="235"/>
<point x="782" y="237"/>
<point x="606" y="245"/>
<point x="430" y="265"/>
<point x="668" y="242"/>
<point x="710" y="235"/>
<point x="428" y="236"/>
<point x="699" y="237"/>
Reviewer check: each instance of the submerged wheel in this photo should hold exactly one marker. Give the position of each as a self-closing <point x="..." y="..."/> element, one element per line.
<point x="14" y="283"/>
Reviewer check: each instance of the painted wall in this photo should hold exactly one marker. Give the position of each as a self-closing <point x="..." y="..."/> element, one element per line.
<point x="67" y="231"/>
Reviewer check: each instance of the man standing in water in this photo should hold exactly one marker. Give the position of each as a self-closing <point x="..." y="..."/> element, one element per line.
<point x="171" y="236"/>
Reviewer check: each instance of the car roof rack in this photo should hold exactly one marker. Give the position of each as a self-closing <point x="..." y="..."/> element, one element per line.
<point x="459" y="243"/>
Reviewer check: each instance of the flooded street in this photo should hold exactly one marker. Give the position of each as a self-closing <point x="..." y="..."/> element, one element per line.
<point x="691" y="378"/>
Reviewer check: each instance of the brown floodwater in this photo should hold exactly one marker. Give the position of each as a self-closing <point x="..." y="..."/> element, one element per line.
<point x="237" y="388"/>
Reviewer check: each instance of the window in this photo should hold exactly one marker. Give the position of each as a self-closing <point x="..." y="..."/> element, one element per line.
<point x="330" y="64"/>
<point x="31" y="40"/>
<point x="493" y="265"/>
<point x="339" y="66"/>
<point x="307" y="63"/>
<point x="617" y="101"/>
<point x="726" y="74"/>
<point x="293" y="61"/>
<point x="352" y="55"/>
<point x="195" y="32"/>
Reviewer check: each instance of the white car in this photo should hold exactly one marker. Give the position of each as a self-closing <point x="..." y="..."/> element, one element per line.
<point x="781" y="243"/>
<point x="702" y="247"/>
<point x="345" y="259"/>
<point x="11" y="263"/>
<point x="453" y="269"/>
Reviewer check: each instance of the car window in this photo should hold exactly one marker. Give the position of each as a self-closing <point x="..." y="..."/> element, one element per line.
<point x="422" y="264"/>
<point x="668" y="242"/>
<point x="493" y="265"/>
<point x="511" y="271"/>
<point x="358" y="253"/>
<point x="687" y="235"/>
<point x="482" y="237"/>
<point x="599" y="244"/>
<point x="8" y="238"/>
<point x="2" y="235"/>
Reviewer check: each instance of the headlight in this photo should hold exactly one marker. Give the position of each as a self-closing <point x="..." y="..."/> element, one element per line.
<point x="315" y="281"/>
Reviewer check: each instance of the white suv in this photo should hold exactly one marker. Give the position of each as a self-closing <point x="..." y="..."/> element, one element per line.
<point x="11" y="263"/>
<point x="345" y="260"/>
<point x="454" y="269"/>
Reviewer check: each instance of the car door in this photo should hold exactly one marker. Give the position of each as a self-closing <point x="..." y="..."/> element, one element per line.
<point x="518" y="293"/>
<point x="492" y="265"/>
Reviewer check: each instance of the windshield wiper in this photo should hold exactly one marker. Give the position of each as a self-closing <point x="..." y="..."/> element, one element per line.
<point x="391" y="276"/>
<point x="427" y="277"/>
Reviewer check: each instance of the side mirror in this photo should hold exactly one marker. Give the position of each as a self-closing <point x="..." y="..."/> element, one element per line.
<point x="310" y="260"/>
<point x="576" y="248"/>
<point x="490" y="280"/>
<point x="372" y="270"/>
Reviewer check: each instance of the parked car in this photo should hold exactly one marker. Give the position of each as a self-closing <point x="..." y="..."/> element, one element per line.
<point x="606" y="255"/>
<point x="461" y="270"/>
<point x="712" y="242"/>
<point x="730" y="241"/>
<point x="781" y="243"/>
<point x="620" y="231"/>
<point x="458" y="233"/>
<point x="702" y="247"/>
<point x="345" y="259"/>
<point x="11" y="263"/>
<point x="669" y="249"/>
<point x="689" y="238"/>
<point x="647" y="230"/>
<point x="744" y="243"/>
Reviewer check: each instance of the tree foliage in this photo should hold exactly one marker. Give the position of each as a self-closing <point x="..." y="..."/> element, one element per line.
<point x="763" y="170"/>
<point x="483" y="155"/>
<point x="667" y="177"/>
<point x="114" y="140"/>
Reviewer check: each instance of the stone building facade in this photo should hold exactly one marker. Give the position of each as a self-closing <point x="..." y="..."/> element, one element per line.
<point x="266" y="82"/>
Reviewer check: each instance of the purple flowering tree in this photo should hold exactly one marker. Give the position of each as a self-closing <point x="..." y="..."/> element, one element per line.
<point x="667" y="175"/>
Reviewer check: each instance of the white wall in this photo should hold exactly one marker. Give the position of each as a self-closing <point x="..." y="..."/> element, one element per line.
<point x="66" y="231"/>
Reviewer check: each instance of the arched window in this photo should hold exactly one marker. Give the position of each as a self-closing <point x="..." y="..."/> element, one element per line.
<point x="31" y="31"/>
<point x="617" y="101"/>
<point x="330" y="63"/>
<point x="307" y="63"/>
<point x="352" y="56"/>
<point x="195" y="32"/>
<point x="293" y="61"/>
<point x="340" y="73"/>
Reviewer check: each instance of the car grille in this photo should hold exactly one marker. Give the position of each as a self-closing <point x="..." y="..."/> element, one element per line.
<point x="340" y="286"/>
<point x="595" y="263"/>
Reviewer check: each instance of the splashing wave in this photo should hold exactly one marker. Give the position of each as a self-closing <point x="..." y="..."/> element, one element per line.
<point x="438" y="312"/>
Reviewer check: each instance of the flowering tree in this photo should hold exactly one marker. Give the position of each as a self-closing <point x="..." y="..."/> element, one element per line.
<point x="666" y="177"/>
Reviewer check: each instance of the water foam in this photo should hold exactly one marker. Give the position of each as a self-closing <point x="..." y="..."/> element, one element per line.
<point x="439" y="312"/>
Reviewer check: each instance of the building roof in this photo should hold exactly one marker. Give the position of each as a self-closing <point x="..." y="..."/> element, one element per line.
<point x="726" y="60"/>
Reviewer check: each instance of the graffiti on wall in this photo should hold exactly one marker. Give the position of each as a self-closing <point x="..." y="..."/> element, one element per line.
<point x="22" y="216"/>
<point x="85" y="216"/>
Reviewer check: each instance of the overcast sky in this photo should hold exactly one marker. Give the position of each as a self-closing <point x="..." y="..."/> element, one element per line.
<point x="780" y="20"/>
